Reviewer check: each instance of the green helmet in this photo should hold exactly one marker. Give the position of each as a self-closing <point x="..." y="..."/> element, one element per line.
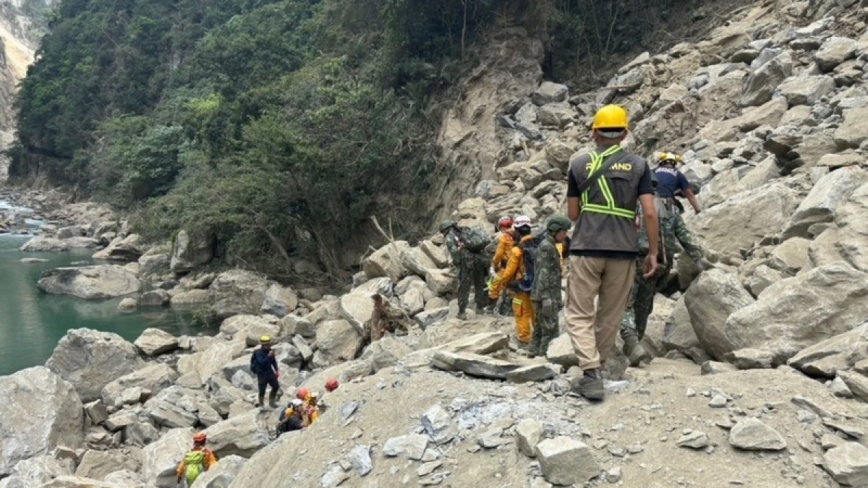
<point x="557" y="223"/>
<point x="446" y="225"/>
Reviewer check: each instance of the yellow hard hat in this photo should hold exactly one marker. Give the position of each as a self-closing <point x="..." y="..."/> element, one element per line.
<point x="667" y="156"/>
<point x="265" y="339"/>
<point x="611" y="117"/>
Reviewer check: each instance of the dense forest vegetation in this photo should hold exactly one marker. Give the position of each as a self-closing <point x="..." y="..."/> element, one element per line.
<point x="277" y="125"/>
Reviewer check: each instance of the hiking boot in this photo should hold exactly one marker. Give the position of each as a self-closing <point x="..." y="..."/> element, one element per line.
<point x="272" y="399"/>
<point x="261" y="402"/>
<point x="462" y="315"/>
<point x="635" y="352"/>
<point x="590" y="385"/>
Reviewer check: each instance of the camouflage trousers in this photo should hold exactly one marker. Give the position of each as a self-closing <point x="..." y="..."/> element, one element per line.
<point x="472" y="272"/>
<point x="545" y="329"/>
<point x="674" y="227"/>
<point x="641" y="302"/>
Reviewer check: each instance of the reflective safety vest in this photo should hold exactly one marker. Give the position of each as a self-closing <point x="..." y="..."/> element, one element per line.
<point x="609" y="208"/>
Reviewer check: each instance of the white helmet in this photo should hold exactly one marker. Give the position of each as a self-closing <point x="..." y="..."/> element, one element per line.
<point x="522" y="221"/>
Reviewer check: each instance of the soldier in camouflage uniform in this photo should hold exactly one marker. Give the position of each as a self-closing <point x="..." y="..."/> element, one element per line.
<point x="546" y="293"/>
<point x="641" y="303"/>
<point x="472" y="269"/>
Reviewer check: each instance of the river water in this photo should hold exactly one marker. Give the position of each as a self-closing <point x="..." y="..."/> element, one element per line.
<point x="32" y="322"/>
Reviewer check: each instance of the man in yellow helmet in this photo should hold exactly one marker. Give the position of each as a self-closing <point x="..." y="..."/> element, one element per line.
<point x="264" y="366"/>
<point x="603" y="187"/>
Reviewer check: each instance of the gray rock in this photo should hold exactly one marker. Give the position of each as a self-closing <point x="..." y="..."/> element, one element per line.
<point x="121" y="420"/>
<point x="292" y="325"/>
<point x="89" y="282"/>
<point x="128" y="304"/>
<point x="154" y="378"/>
<point x="412" y="446"/>
<point x="719" y="401"/>
<point x="438" y="425"/>
<point x="126" y="479"/>
<point x="90" y="360"/>
<point x="833" y="52"/>
<point x="473" y="364"/>
<point x="173" y="407"/>
<point x="801" y="311"/>
<point x="153" y="264"/>
<point x="857" y="383"/>
<point x="360" y="458"/>
<point x="556" y="114"/>
<point x="840" y="389"/>
<point x="99" y="464"/>
<point x="37" y="393"/>
<point x="837" y="353"/>
<point x="491" y="438"/>
<point x="714" y="367"/>
<point x="710" y="301"/>
<point x="333" y="477"/>
<point x="847" y="464"/>
<point x="160" y="458"/>
<point x="154" y="342"/>
<point x="431" y="317"/>
<point x="561" y="351"/>
<point x="155" y="298"/>
<point x="566" y="461"/>
<point x="483" y="344"/>
<point x="760" y="85"/>
<point x="76" y="482"/>
<point x="806" y="90"/>
<point x="237" y="292"/>
<point x="222" y="475"/>
<point x="279" y="301"/>
<point x="191" y="250"/>
<point x="129" y="248"/>
<point x="96" y="412"/>
<point x="824" y="199"/>
<point x="694" y="440"/>
<point x="752" y="435"/>
<point x="387" y="262"/>
<point x="357" y="308"/>
<point x="417" y="261"/>
<point x="750" y="359"/>
<point x="338" y="341"/>
<point x="36" y="471"/>
<point x="533" y="372"/>
<point x="241" y="436"/>
<point x="529" y="433"/>
<point x="854" y="130"/>
<point x="549" y="92"/>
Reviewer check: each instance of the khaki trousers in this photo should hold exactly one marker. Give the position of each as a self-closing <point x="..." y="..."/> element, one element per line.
<point x="593" y="332"/>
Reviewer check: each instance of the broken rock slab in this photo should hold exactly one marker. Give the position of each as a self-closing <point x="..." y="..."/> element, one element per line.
<point x="529" y="433"/>
<point x="826" y="358"/>
<point x="693" y="440"/>
<point x="473" y="364"/>
<point x="438" y="424"/>
<point x="413" y="446"/>
<point x="565" y="461"/>
<point x="154" y="342"/>
<point x="750" y="359"/>
<point x="751" y="434"/>
<point x="848" y="464"/>
<point x="533" y="372"/>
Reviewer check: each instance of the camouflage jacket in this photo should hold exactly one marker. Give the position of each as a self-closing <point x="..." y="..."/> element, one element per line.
<point x="547" y="282"/>
<point x="672" y="230"/>
<point x="453" y="245"/>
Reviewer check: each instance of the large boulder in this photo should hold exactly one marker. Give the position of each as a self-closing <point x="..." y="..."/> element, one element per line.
<point x="38" y="412"/>
<point x="242" y="435"/>
<point x="236" y="292"/>
<point x="191" y="250"/>
<point x="549" y="92"/>
<point x="806" y="90"/>
<point x="153" y="378"/>
<point x="99" y="464"/>
<point x="854" y="130"/>
<point x="387" y="261"/>
<point x="416" y="261"/>
<point x="160" y="458"/>
<point x="821" y="204"/>
<point x="174" y="407"/>
<point x="710" y="301"/>
<point x="89" y="282"/>
<point x="744" y="219"/>
<point x="337" y="341"/>
<point x="838" y="353"/>
<point x="36" y="471"/>
<point x="90" y="360"/>
<point x="279" y="301"/>
<point x="799" y="312"/>
<point x="129" y="248"/>
<point x="761" y="84"/>
<point x="833" y="52"/>
<point x="357" y="309"/>
<point x="154" y="342"/>
<point x="222" y="475"/>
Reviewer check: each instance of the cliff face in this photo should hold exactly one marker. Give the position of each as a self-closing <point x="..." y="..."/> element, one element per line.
<point x="22" y="24"/>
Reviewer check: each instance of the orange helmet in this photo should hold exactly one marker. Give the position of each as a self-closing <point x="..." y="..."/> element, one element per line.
<point x="331" y="385"/>
<point x="302" y="393"/>
<point x="200" y="438"/>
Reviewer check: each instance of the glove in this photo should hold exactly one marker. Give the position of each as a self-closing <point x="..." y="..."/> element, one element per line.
<point x="548" y="307"/>
<point x="276" y="374"/>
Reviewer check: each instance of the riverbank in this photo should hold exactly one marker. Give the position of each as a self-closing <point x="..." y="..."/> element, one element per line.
<point x="32" y="322"/>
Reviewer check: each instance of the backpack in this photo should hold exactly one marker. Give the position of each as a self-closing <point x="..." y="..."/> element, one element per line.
<point x="195" y="464"/>
<point x="529" y="250"/>
<point x="259" y="363"/>
<point x="475" y="239"/>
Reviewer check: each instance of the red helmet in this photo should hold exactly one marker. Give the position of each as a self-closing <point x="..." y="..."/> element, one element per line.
<point x="331" y="385"/>
<point x="504" y="222"/>
<point x="200" y="438"/>
<point x="302" y="393"/>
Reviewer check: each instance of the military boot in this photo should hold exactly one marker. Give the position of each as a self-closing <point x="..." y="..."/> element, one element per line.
<point x="261" y="403"/>
<point x="590" y="385"/>
<point x="635" y="352"/>
<point x="272" y="399"/>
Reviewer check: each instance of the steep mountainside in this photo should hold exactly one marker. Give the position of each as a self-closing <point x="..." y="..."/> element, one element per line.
<point x="22" y="25"/>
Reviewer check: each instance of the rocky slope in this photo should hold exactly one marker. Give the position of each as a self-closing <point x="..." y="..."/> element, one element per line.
<point x="761" y="375"/>
<point x="21" y="27"/>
